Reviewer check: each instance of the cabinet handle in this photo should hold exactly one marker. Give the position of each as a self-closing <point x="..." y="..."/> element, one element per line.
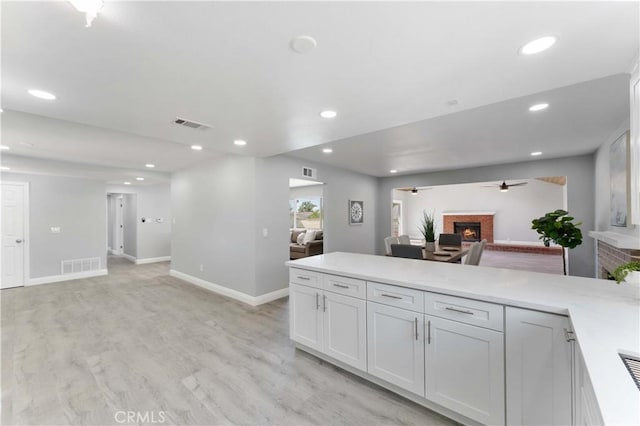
<point x="416" y="323"/>
<point x="324" y="303"/>
<point x="340" y="285"/>
<point x="569" y="335"/>
<point x="391" y="296"/>
<point x="449" y="308"/>
<point x="303" y="278"/>
<point x="317" y="301"/>
<point x="429" y="332"/>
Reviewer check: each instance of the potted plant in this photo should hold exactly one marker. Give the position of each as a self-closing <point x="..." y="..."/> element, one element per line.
<point x="628" y="272"/>
<point x="428" y="231"/>
<point x="557" y="227"/>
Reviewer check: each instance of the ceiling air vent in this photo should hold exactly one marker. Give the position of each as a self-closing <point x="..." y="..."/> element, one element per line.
<point x="191" y="124"/>
<point x="308" y="172"/>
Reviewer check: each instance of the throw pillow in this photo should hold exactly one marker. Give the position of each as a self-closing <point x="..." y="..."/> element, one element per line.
<point x="309" y="236"/>
<point x="300" y="240"/>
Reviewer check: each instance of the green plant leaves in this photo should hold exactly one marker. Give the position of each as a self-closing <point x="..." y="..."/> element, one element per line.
<point x="557" y="227"/>
<point x="427" y="227"/>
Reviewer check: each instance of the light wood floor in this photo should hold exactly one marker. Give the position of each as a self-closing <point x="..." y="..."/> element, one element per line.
<point x="138" y="340"/>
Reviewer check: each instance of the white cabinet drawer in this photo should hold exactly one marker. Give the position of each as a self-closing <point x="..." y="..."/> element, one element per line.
<point x="406" y="298"/>
<point x="308" y="278"/>
<point x="482" y="314"/>
<point x="347" y="286"/>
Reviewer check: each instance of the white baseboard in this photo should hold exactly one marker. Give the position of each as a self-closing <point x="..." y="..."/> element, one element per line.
<point x="66" y="277"/>
<point x="234" y="294"/>
<point x="128" y="257"/>
<point x="153" y="260"/>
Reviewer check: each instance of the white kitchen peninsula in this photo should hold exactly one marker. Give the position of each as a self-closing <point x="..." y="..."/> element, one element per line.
<point x="480" y="345"/>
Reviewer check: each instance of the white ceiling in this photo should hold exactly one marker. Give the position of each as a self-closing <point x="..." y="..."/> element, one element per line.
<point x="110" y="175"/>
<point x="578" y="120"/>
<point x="228" y="64"/>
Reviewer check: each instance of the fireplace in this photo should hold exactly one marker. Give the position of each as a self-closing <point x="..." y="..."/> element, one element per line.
<point x="470" y="231"/>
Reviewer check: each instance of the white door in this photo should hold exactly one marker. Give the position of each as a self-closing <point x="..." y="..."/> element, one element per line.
<point x="13" y="235"/>
<point x="396" y="346"/>
<point x="465" y="369"/>
<point x="345" y="329"/>
<point x="305" y="316"/>
<point x="539" y="364"/>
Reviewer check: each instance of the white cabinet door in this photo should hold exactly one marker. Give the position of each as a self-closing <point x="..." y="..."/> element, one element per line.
<point x="305" y="316"/>
<point x="345" y="329"/>
<point x="465" y="369"/>
<point x="586" y="412"/>
<point x="396" y="346"/>
<point x="539" y="363"/>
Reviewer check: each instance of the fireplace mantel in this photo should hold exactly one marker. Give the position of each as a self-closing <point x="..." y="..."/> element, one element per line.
<point x="468" y="214"/>
<point x="621" y="241"/>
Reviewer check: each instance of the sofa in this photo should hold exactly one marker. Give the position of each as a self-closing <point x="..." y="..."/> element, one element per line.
<point x="312" y="248"/>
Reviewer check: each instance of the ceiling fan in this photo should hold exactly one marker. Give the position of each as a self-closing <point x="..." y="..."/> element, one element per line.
<point x="504" y="187"/>
<point x="413" y="190"/>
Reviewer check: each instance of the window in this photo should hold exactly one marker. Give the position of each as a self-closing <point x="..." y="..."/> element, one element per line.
<point x="306" y="213"/>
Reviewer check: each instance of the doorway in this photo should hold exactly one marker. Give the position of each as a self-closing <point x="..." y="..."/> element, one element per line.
<point x="15" y="234"/>
<point x="122" y="225"/>
<point x="115" y="235"/>
<point x="306" y="218"/>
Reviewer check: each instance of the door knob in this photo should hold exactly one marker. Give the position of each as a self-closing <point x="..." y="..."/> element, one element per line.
<point x="18" y="241"/>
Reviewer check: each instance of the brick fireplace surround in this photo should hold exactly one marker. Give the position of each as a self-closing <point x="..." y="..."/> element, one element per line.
<point x="485" y="220"/>
<point x="486" y="233"/>
<point x="610" y="257"/>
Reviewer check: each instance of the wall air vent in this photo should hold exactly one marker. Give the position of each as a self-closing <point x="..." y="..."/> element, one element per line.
<point x="190" y="123"/>
<point x="308" y="172"/>
<point x="633" y="365"/>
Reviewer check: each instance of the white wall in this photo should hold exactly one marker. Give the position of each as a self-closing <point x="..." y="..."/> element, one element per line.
<point x="223" y="206"/>
<point x="580" y="195"/>
<point x="78" y="207"/>
<point x="273" y="198"/>
<point x="214" y="207"/>
<point x="305" y="191"/>
<point x="603" y="189"/>
<point x="513" y="209"/>
<point x="153" y="238"/>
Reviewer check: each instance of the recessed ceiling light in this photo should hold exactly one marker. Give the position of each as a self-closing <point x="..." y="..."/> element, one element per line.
<point x="4" y="147"/>
<point x="150" y="166"/>
<point x="536" y="153"/>
<point x="239" y="142"/>
<point x="328" y="114"/>
<point x="538" y="107"/>
<point x="5" y="168"/>
<point x="327" y="150"/>
<point x="127" y="183"/>
<point x="538" y="45"/>
<point x="196" y="147"/>
<point x="1" y="110"/>
<point x="139" y="178"/>
<point x="303" y="44"/>
<point x="393" y="171"/>
<point x="42" y="94"/>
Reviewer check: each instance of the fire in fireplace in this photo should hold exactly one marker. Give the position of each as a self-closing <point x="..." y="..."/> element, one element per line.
<point x="470" y="231"/>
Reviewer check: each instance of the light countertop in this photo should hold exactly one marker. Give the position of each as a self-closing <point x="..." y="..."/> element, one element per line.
<point x="605" y="315"/>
